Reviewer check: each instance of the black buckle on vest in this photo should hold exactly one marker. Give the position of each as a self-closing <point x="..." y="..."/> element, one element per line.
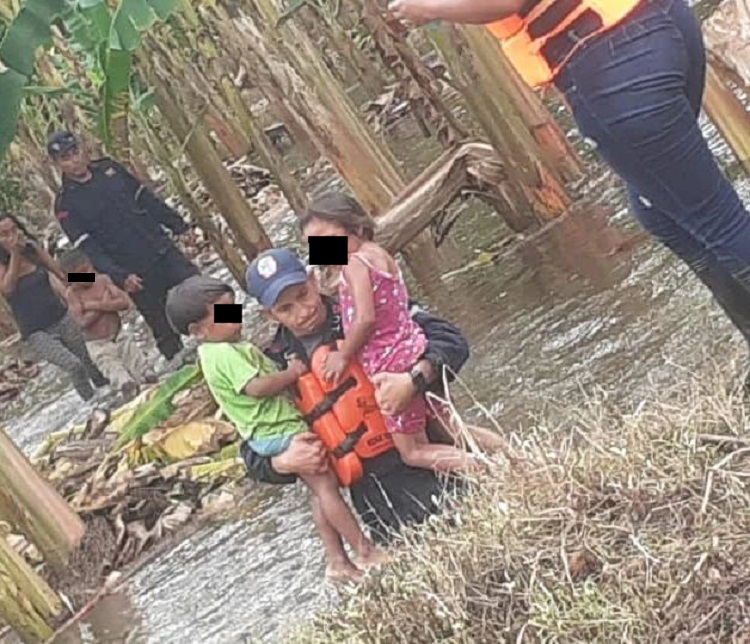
<point x="552" y="17"/>
<point x="331" y="398"/>
<point x="557" y="49"/>
<point x="351" y="441"/>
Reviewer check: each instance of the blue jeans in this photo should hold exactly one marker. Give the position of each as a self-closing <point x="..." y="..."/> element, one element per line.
<point x="636" y="91"/>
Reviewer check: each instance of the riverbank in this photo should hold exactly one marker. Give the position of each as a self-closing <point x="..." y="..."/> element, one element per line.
<point x="626" y="525"/>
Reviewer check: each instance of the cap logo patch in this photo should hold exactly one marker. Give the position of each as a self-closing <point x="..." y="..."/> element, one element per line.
<point x="110" y="172"/>
<point x="267" y="267"/>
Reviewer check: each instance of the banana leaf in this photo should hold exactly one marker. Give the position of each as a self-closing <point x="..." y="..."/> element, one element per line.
<point x="159" y="407"/>
<point x="29" y="30"/>
<point x="104" y="38"/>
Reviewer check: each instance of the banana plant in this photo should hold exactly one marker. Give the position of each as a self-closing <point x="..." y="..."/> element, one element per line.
<point x="104" y="33"/>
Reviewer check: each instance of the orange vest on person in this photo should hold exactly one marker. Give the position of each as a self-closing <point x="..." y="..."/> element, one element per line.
<point x="345" y="416"/>
<point x="541" y="39"/>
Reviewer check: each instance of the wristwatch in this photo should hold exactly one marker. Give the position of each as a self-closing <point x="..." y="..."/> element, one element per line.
<point x="420" y="382"/>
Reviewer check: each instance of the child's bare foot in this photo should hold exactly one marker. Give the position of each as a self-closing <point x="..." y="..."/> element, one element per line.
<point x="342" y="572"/>
<point x="372" y="556"/>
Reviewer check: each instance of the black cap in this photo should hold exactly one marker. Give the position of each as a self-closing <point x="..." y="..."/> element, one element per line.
<point x="60" y="143"/>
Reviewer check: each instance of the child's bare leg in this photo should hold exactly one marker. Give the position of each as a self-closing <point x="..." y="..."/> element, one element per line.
<point x="487" y="440"/>
<point x="417" y="451"/>
<point x="338" y="515"/>
<point x="338" y="565"/>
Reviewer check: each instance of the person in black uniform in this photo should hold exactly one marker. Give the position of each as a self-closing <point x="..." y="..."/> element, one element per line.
<point x="120" y="224"/>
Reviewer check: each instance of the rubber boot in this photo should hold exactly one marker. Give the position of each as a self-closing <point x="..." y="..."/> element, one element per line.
<point x="734" y="299"/>
<point x="731" y="295"/>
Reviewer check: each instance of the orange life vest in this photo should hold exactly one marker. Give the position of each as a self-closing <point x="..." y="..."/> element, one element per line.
<point x="345" y="416"/>
<point x="541" y="39"/>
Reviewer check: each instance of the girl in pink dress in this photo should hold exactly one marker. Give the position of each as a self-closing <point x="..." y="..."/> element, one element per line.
<point x="379" y="332"/>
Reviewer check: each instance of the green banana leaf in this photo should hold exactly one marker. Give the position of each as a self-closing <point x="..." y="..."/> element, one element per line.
<point x="115" y="91"/>
<point x="29" y="30"/>
<point x="104" y="37"/>
<point x="159" y="407"/>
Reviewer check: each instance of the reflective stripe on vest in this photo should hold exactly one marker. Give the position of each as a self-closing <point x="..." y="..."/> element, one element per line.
<point x="541" y="39"/>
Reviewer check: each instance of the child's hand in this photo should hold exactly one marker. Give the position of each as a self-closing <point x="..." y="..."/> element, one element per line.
<point x="334" y="366"/>
<point x="297" y="367"/>
<point x="417" y="12"/>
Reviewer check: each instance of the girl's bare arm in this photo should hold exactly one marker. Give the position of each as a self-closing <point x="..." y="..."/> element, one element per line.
<point x="357" y="276"/>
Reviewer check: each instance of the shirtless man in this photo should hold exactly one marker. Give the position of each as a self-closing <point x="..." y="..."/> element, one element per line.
<point x="97" y="306"/>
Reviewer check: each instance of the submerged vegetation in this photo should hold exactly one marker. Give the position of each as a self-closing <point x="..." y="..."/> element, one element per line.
<point x="623" y="526"/>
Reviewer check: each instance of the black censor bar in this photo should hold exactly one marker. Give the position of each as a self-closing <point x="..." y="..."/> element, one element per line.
<point x="228" y="313"/>
<point x="328" y="251"/>
<point x="81" y="277"/>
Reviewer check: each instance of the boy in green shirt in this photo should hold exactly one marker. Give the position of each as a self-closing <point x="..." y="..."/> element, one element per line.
<point x="252" y="393"/>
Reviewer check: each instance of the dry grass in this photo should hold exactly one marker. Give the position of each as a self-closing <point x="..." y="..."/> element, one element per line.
<point x="625" y="526"/>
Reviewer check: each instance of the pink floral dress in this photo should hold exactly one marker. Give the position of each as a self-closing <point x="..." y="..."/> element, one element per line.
<point x="395" y="345"/>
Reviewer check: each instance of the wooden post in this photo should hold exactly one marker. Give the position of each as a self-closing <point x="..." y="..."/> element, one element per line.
<point x="483" y="75"/>
<point x="34" y="506"/>
<point x="221" y="242"/>
<point x="728" y="114"/>
<point x="26" y="601"/>
<point x="229" y="200"/>
<point x="289" y="59"/>
<point x="270" y="156"/>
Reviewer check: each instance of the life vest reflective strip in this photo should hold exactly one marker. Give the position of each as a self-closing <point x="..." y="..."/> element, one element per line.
<point x="345" y="416"/>
<point x="541" y="38"/>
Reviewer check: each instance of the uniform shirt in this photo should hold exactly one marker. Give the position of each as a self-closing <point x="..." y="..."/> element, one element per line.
<point x="118" y="222"/>
<point x="228" y="367"/>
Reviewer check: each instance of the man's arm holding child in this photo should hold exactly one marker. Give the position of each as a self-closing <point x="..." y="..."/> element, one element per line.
<point x="446" y="347"/>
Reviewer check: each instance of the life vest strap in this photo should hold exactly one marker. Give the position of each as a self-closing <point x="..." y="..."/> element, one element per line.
<point x="351" y="441"/>
<point x="331" y="398"/>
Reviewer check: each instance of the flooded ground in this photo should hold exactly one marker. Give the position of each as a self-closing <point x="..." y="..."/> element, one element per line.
<point x="575" y="312"/>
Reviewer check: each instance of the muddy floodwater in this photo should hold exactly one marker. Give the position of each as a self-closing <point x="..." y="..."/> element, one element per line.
<point x="576" y="311"/>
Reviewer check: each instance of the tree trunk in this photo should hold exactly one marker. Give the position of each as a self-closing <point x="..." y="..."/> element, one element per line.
<point x="269" y="155"/>
<point x="554" y="145"/>
<point x="221" y="243"/>
<point x="229" y="200"/>
<point x="26" y="601"/>
<point x="391" y="42"/>
<point x="727" y="36"/>
<point x="482" y="74"/>
<point x="34" y="506"/>
<point x="317" y="100"/>
<point x="728" y="114"/>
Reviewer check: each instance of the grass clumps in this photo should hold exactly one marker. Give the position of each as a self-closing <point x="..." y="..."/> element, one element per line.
<point x="623" y="526"/>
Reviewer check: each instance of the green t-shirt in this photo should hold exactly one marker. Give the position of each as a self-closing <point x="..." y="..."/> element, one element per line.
<point x="228" y="368"/>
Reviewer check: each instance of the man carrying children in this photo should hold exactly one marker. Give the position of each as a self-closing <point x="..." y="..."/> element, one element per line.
<point x="390" y="494"/>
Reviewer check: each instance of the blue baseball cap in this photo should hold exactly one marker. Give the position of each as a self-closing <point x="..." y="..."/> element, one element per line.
<point x="271" y="272"/>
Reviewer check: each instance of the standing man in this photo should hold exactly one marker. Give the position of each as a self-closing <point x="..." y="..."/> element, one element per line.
<point x="120" y="225"/>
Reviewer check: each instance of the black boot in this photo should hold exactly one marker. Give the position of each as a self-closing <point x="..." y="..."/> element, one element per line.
<point x="734" y="299"/>
<point x="731" y="295"/>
